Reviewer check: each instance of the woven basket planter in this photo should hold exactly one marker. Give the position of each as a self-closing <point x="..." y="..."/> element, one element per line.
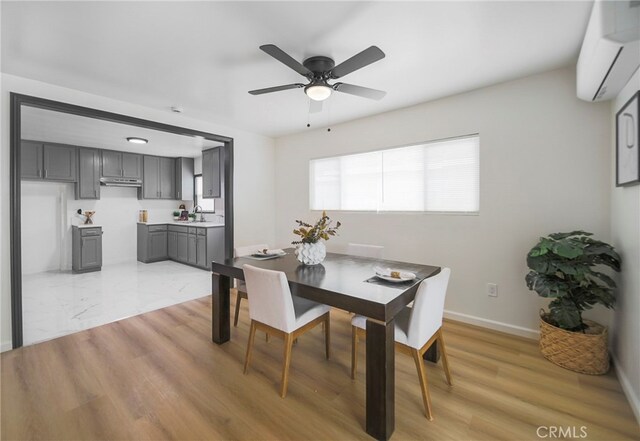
<point x="585" y="353"/>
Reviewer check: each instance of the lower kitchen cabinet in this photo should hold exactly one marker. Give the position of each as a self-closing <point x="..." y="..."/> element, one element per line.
<point x="172" y="245"/>
<point x="196" y="246"/>
<point x="192" y="249"/>
<point x="152" y="243"/>
<point x="86" y="252"/>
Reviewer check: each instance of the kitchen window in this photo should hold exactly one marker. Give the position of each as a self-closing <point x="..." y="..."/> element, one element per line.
<point x="437" y="176"/>
<point x="206" y="204"/>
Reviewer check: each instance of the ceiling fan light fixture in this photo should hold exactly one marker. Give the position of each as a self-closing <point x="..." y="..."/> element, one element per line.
<point x="318" y="91"/>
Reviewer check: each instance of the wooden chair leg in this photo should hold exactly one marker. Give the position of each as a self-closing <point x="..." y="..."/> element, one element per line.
<point x="252" y="334"/>
<point x="327" y="336"/>
<point x="354" y="351"/>
<point x="445" y="361"/>
<point x="424" y="385"/>
<point x="288" y="343"/>
<point x="237" y="313"/>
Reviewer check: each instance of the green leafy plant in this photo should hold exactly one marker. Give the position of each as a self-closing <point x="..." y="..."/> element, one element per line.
<point x="192" y="215"/>
<point x="313" y="233"/>
<point x="176" y="213"/>
<point x="562" y="268"/>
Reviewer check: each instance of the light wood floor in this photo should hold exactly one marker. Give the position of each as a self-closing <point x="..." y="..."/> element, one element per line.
<point x="158" y="376"/>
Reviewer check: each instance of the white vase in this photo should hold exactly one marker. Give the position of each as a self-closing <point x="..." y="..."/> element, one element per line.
<point x="311" y="253"/>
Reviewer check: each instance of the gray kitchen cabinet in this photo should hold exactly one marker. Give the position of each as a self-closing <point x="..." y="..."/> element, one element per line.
<point x="54" y="162"/>
<point x="159" y="178"/>
<point x="201" y="250"/>
<point x="88" y="183"/>
<point x="192" y="243"/>
<point x="60" y="162"/>
<point x="31" y="159"/>
<point x="121" y="165"/>
<point x="151" y="179"/>
<point x="184" y="179"/>
<point x="167" y="178"/>
<point x="86" y="252"/>
<point x="152" y="243"/>
<point x="211" y="173"/>
<point x="172" y="245"/>
<point x="183" y="253"/>
<point x="131" y="165"/>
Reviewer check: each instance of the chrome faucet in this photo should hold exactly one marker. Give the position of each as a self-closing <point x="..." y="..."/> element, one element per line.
<point x="198" y="209"/>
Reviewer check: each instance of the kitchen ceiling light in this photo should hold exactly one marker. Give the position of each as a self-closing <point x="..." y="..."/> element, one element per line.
<point x="318" y="91"/>
<point x="135" y="140"/>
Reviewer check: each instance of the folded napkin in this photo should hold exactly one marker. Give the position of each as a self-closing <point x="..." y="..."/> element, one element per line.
<point x="382" y="271"/>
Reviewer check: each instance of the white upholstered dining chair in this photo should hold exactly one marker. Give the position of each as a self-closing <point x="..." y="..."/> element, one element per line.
<point x="275" y="311"/>
<point x="416" y="329"/>
<point x="358" y="249"/>
<point x="241" y="286"/>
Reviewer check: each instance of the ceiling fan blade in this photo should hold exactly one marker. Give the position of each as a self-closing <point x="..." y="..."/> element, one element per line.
<point x="285" y="59"/>
<point x="276" y="89"/>
<point x="358" y="61"/>
<point x="315" y="106"/>
<point x="364" y="92"/>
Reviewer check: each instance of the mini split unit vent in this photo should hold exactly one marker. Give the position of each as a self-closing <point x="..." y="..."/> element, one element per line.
<point x="610" y="52"/>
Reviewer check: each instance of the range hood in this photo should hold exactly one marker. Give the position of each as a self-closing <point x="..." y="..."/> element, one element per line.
<point x="121" y="182"/>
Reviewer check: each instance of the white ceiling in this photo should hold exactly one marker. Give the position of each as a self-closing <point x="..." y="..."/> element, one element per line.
<point x="204" y="56"/>
<point x="46" y="125"/>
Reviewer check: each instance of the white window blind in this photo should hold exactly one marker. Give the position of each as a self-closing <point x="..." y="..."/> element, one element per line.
<point x="440" y="176"/>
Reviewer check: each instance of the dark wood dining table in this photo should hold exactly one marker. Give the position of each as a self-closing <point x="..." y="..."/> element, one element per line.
<point x="345" y="282"/>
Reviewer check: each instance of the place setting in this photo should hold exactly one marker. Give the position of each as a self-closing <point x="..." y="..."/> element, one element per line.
<point x="392" y="277"/>
<point x="266" y="254"/>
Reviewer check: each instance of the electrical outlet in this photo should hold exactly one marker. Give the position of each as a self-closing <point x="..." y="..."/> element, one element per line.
<point x="492" y="289"/>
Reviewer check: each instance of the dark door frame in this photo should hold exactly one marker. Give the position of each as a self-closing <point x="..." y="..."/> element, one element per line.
<point x="17" y="101"/>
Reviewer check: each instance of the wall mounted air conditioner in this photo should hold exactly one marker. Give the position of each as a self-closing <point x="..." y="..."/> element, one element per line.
<point x="610" y="51"/>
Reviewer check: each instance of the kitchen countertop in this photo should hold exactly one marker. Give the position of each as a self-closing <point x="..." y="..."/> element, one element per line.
<point x="88" y="226"/>
<point x="186" y="224"/>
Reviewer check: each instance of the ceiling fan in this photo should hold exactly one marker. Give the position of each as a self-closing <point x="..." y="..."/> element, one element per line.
<point x="320" y="70"/>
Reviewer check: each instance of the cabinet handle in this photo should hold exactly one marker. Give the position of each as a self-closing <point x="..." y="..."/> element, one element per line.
<point x="122" y="172"/>
<point x="158" y="193"/>
<point x="178" y="195"/>
<point x="95" y="193"/>
<point x="45" y="172"/>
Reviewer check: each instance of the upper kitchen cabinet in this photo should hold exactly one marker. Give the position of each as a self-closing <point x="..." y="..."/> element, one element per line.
<point x="121" y="165"/>
<point x="211" y="173"/>
<point x="88" y="184"/>
<point x="55" y="162"/>
<point x="159" y="181"/>
<point x="184" y="179"/>
<point x="31" y="160"/>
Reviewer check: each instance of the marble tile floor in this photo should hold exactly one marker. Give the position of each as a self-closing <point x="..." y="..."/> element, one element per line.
<point x="58" y="303"/>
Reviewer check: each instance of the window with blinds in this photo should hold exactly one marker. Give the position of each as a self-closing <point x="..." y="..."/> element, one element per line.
<point x="439" y="176"/>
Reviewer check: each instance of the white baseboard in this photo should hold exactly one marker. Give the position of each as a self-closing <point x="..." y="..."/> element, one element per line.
<point x="632" y="397"/>
<point x="492" y="324"/>
<point x="6" y="346"/>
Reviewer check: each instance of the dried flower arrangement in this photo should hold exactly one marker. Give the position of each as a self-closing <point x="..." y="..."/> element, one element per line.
<point x="313" y="233"/>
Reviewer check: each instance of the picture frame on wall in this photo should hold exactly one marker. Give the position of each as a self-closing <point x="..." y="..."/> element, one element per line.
<point x="627" y="143"/>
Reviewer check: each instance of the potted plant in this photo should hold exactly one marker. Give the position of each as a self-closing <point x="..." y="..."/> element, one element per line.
<point x="310" y="248"/>
<point x="176" y="215"/>
<point x="192" y="217"/>
<point x="564" y="269"/>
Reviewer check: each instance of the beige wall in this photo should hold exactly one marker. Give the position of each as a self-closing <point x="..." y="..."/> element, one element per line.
<point x="544" y="167"/>
<point x="253" y="156"/>
<point x="625" y="233"/>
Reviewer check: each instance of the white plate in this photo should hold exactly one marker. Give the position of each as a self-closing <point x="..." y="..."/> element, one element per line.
<point x="404" y="277"/>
